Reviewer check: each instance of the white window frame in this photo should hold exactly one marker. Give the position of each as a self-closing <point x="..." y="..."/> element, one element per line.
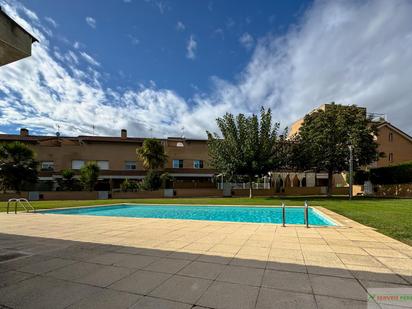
<point x="77" y="164"/>
<point x="47" y="165"/>
<point x="127" y="165"/>
<point x="103" y="164"/>
<point x="198" y="164"/>
<point x="178" y="163"/>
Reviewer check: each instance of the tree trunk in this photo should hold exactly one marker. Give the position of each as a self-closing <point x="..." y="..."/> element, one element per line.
<point x="330" y="178"/>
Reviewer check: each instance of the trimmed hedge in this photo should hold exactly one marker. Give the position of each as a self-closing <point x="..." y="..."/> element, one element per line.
<point x="395" y="174"/>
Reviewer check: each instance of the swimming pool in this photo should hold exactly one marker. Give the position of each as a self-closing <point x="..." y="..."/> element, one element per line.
<point x="294" y="215"/>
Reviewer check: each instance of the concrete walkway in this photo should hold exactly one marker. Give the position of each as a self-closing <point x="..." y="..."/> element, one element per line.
<point x="65" y="261"/>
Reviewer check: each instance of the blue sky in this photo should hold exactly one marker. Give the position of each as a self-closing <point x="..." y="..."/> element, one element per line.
<point x="155" y="66"/>
<point x="138" y="41"/>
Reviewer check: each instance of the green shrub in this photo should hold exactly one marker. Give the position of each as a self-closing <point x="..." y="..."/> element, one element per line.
<point x="359" y="177"/>
<point x="152" y="181"/>
<point x="129" y="186"/>
<point x="395" y="174"/>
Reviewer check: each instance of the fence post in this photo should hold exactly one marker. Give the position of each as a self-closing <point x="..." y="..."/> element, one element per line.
<point x="283" y="215"/>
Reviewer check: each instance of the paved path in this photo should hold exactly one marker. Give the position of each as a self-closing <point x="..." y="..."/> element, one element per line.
<point x="105" y="262"/>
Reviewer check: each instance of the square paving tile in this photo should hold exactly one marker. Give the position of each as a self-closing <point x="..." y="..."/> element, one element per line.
<point x="140" y="282"/>
<point x="46" y="266"/>
<point x="327" y="302"/>
<point x="107" y="299"/>
<point x="158" y="303"/>
<point x="44" y="292"/>
<point x="202" y="270"/>
<point x="241" y="275"/>
<point x="338" y="287"/>
<point x="167" y="265"/>
<point x="74" y="271"/>
<point x="125" y="260"/>
<point x="105" y="276"/>
<point x="182" y="289"/>
<point x="12" y="277"/>
<point x="292" y="281"/>
<point x="222" y="295"/>
<point x="274" y="299"/>
<point x="218" y="258"/>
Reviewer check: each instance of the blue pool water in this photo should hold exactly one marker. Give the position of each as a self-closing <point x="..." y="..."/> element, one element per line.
<point x="211" y="213"/>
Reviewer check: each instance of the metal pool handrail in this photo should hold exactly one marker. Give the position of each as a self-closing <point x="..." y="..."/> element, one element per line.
<point x="305" y="215"/>
<point x="20" y="200"/>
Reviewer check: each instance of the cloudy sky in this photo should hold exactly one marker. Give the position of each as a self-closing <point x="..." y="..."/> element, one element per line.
<point x="156" y="67"/>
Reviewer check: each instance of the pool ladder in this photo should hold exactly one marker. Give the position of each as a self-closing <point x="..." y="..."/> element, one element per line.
<point x="22" y="202"/>
<point x="305" y="215"/>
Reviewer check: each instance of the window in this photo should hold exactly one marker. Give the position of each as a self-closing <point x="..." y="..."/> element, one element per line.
<point x="198" y="163"/>
<point x="177" y="163"/>
<point x="391" y="157"/>
<point x="47" y="166"/>
<point x="391" y="137"/>
<point x="103" y="164"/>
<point x="130" y="165"/>
<point x="77" y="164"/>
<point x="180" y="144"/>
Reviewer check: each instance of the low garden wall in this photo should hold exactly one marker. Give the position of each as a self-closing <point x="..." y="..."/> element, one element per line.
<point x="395" y="190"/>
<point x="199" y="192"/>
<point x="139" y="194"/>
<point x="296" y="191"/>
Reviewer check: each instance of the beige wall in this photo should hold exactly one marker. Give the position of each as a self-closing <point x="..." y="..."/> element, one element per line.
<point x="400" y="146"/>
<point x="191" y="150"/>
<point x="117" y="153"/>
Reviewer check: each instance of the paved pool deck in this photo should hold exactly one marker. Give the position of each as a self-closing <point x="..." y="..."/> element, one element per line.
<point x="69" y="261"/>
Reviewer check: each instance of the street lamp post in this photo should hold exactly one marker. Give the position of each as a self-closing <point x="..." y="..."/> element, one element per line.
<point x="350" y="172"/>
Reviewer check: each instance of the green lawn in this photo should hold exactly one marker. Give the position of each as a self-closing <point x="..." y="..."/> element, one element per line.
<point x="392" y="217"/>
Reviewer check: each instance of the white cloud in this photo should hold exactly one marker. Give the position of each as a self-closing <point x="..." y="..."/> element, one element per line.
<point x="180" y="26"/>
<point x="191" y="48"/>
<point x="91" y="22"/>
<point x="89" y="59"/>
<point x="51" y="21"/>
<point x="348" y="52"/>
<point x="247" y="40"/>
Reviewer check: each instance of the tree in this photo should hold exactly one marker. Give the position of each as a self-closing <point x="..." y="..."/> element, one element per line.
<point x="247" y="147"/>
<point x="68" y="182"/>
<point x="152" y="154"/>
<point x="89" y="175"/>
<point x="17" y="166"/>
<point x="323" y="140"/>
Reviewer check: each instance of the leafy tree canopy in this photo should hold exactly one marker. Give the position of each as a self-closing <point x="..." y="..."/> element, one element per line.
<point x="247" y="146"/>
<point x="17" y="166"/>
<point x="323" y="140"/>
<point x="152" y="154"/>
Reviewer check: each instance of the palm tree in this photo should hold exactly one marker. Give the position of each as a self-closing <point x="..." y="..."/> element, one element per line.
<point x="152" y="154"/>
<point x="17" y="166"/>
<point x="89" y="174"/>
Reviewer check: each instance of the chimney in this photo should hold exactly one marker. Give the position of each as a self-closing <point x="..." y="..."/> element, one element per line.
<point x="24" y="132"/>
<point x="123" y="134"/>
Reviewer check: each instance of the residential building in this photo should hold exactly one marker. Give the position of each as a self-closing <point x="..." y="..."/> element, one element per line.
<point x="188" y="160"/>
<point x="395" y="145"/>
